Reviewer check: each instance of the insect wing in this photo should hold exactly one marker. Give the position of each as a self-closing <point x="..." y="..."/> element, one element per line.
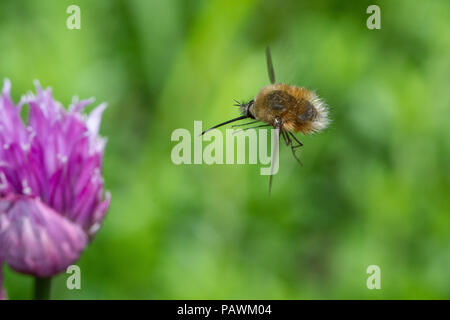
<point x="270" y="70"/>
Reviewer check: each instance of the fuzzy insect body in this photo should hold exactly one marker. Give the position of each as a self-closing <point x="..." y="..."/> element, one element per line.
<point x="287" y="108"/>
<point x="298" y="109"/>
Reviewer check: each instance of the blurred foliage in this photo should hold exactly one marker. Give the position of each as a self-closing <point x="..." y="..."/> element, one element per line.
<point x="374" y="188"/>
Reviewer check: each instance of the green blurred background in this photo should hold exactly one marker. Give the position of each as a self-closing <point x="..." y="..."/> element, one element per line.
<point x="374" y="188"/>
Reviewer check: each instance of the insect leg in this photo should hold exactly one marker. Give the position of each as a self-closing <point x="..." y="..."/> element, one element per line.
<point x="261" y="126"/>
<point x="285" y="137"/>
<point x="294" y="147"/>
<point x="275" y="153"/>
<point x="244" y="124"/>
<point x="296" y="140"/>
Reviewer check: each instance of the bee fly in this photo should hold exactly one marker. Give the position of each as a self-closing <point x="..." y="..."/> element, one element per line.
<point x="287" y="108"/>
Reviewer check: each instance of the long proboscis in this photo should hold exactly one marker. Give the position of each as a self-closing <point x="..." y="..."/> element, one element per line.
<point x="224" y="123"/>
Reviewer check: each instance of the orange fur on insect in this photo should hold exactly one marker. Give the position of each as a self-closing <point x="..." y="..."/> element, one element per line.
<point x="298" y="109"/>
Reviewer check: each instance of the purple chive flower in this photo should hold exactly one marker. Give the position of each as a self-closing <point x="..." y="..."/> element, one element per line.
<point x="52" y="200"/>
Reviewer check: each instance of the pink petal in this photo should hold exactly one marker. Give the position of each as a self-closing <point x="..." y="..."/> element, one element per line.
<point x="11" y="125"/>
<point x="36" y="240"/>
<point x="99" y="215"/>
<point x="94" y="119"/>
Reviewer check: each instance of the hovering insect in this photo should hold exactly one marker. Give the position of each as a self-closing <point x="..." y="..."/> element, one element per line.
<point x="288" y="108"/>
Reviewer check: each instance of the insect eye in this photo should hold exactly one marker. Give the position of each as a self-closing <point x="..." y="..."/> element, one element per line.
<point x="249" y="105"/>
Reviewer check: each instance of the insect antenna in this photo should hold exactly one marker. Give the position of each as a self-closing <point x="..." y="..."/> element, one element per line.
<point x="270" y="70"/>
<point x="224" y="123"/>
<point x="237" y="104"/>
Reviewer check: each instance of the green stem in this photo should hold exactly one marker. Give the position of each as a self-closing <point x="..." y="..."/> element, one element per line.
<point x="42" y="288"/>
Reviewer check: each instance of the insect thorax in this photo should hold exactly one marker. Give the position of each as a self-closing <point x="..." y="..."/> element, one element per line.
<point x="272" y="104"/>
